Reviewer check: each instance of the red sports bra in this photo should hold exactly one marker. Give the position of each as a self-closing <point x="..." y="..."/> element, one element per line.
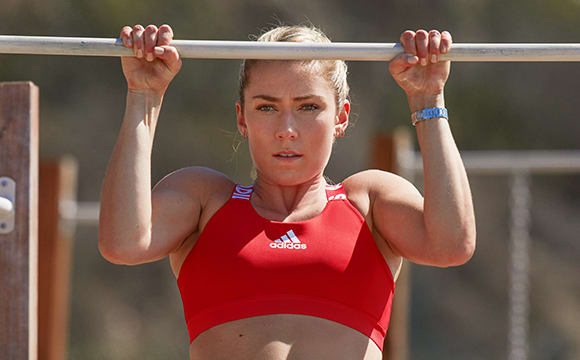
<point x="244" y="265"/>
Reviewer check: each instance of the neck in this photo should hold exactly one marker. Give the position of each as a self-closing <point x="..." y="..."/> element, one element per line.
<point x="281" y="201"/>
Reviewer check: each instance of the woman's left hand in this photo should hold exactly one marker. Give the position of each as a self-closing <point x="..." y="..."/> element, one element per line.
<point x="418" y="71"/>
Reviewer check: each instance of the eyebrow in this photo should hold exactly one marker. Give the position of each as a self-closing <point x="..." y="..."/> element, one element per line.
<point x="275" y="99"/>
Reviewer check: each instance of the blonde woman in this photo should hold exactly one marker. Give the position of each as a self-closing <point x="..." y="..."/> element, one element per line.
<point x="289" y="267"/>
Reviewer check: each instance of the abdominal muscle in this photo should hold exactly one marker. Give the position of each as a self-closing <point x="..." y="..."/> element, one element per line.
<point x="283" y="337"/>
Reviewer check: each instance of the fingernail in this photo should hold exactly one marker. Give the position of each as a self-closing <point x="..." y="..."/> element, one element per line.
<point x="433" y="59"/>
<point x="159" y="50"/>
<point x="444" y="49"/>
<point x="139" y="53"/>
<point x="423" y="61"/>
<point x="129" y="42"/>
<point x="150" y="57"/>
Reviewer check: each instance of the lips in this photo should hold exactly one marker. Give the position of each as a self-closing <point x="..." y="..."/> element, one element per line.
<point x="287" y="155"/>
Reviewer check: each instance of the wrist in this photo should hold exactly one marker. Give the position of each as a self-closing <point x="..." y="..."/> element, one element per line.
<point x="421" y="102"/>
<point x="427" y="114"/>
<point x="148" y="96"/>
<point x="143" y="106"/>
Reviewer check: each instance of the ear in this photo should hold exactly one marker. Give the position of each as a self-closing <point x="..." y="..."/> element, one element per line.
<point x="341" y="122"/>
<point x="240" y="120"/>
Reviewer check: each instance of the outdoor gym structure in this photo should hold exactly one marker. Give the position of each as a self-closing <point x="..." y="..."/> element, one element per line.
<point x="19" y="180"/>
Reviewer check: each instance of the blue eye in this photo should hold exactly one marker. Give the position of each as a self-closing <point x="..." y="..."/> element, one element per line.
<point x="265" y="108"/>
<point x="309" y="107"/>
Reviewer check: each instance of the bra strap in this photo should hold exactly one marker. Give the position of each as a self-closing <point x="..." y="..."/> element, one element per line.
<point x="335" y="192"/>
<point x="242" y="192"/>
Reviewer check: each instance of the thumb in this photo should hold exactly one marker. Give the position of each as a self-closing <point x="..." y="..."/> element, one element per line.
<point x="170" y="57"/>
<point x="402" y="63"/>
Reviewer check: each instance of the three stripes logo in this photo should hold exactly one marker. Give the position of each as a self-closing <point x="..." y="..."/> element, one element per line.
<point x="288" y="241"/>
<point x="337" y="196"/>
<point x="242" y="192"/>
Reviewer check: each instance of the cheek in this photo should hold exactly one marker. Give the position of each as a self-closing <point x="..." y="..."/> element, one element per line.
<point x="326" y="128"/>
<point x="255" y="144"/>
<point x="324" y="138"/>
<point x="259" y="143"/>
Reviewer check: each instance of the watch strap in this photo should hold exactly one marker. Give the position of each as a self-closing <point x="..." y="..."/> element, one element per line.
<point x="431" y="113"/>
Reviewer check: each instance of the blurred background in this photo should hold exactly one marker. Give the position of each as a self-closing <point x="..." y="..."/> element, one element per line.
<point x="120" y="312"/>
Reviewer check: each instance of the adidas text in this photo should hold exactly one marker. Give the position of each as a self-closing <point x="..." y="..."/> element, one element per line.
<point x="287" y="245"/>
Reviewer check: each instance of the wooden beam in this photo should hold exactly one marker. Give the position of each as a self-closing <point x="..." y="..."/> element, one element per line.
<point x="58" y="180"/>
<point x="19" y="248"/>
<point x="388" y="149"/>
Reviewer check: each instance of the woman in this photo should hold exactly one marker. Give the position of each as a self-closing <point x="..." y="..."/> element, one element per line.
<point x="290" y="267"/>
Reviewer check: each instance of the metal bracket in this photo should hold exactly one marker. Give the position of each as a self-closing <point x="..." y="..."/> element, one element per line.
<point x="7" y="210"/>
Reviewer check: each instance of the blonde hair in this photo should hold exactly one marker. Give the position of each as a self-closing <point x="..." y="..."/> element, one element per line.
<point x="334" y="70"/>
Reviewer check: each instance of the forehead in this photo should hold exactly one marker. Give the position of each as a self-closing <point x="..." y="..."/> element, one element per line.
<point x="293" y="77"/>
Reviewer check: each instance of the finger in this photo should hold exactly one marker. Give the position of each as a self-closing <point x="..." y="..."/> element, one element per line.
<point x="446" y="42"/>
<point x="150" y="39"/>
<point x="434" y="43"/>
<point x="422" y="45"/>
<point x="170" y="56"/>
<point x="125" y="36"/>
<point x="401" y="63"/>
<point x="408" y="42"/>
<point x="165" y="35"/>
<point x="138" y="41"/>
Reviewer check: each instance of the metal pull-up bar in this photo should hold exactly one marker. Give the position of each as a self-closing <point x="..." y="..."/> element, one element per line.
<point x="204" y="49"/>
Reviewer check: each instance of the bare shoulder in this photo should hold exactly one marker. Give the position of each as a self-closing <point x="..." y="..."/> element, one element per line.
<point x="188" y="197"/>
<point x="364" y="187"/>
<point x="373" y="182"/>
<point x="197" y="182"/>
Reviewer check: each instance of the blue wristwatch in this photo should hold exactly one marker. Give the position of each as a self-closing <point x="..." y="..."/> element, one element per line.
<point x="430" y="113"/>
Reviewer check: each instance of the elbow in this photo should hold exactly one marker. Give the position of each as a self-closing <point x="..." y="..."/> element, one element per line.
<point x="115" y="255"/>
<point x="110" y="255"/>
<point x="462" y="254"/>
<point x="121" y="245"/>
<point x="467" y="243"/>
<point x="113" y="252"/>
<point x="461" y="250"/>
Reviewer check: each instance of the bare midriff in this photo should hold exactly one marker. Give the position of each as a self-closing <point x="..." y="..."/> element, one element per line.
<point x="282" y="337"/>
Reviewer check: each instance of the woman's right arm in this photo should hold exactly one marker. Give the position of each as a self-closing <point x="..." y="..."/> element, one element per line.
<point x="131" y="218"/>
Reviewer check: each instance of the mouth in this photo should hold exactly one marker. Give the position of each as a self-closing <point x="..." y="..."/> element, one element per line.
<point x="290" y="155"/>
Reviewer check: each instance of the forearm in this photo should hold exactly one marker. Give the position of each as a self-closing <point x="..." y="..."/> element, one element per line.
<point x="448" y="209"/>
<point x="125" y="219"/>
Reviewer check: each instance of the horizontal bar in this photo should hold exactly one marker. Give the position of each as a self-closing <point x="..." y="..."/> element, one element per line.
<point x="508" y="162"/>
<point x="203" y="49"/>
<point x="82" y="213"/>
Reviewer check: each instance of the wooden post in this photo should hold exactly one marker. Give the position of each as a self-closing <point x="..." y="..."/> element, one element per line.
<point x="57" y="189"/>
<point x="19" y="248"/>
<point x="389" y="149"/>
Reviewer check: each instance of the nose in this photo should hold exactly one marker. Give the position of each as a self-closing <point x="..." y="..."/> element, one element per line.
<point x="287" y="128"/>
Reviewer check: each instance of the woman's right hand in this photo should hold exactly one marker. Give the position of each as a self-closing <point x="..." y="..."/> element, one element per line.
<point x="155" y="63"/>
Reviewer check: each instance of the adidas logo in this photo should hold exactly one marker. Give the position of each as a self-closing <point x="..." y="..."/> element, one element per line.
<point x="242" y="192"/>
<point x="288" y="241"/>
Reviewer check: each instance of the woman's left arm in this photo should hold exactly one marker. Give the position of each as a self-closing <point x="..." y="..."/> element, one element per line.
<point x="445" y="233"/>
